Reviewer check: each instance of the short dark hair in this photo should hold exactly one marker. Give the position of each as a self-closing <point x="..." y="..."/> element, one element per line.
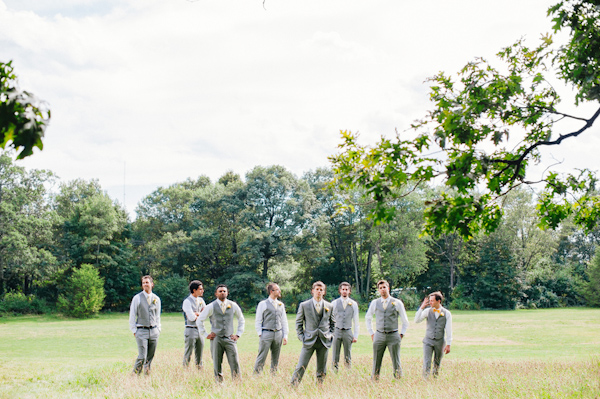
<point x="438" y="296"/>
<point x="270" y="287"/>
<point x="148" y="277"/>
<point x="220" y="286"/>
<point x="344" y="284"/>
<point x="195" y="284"/>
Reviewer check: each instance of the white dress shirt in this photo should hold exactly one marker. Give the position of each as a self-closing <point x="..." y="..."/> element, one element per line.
<point x="187" y="307"/>
<point x="390" y="302"/>
<point x="280" y="307"/>
<point x="355" y="319"/>
<point x="208" y="311"/>
<point x="135" y="302"/>
<point x="422" y="314"/>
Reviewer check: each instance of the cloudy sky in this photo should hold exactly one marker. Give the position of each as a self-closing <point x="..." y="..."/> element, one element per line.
<point x="146" y="93"/>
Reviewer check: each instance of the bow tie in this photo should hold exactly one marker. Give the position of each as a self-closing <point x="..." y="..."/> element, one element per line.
<point x="437" y="310"/>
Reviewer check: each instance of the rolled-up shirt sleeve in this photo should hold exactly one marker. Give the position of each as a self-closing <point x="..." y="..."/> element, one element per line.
<point x="240" y="318"/>
<point x="356" y="320"/>
<point x="260" y="309"/>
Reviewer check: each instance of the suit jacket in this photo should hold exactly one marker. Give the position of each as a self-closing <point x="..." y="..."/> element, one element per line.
<point x="309" y="326"/>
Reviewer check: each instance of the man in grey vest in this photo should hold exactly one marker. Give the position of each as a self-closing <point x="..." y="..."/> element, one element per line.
<point x="387" y="311"/>
<point x="272" y="328"/>
<point x="346" y="317"/>
<point x="221" y="312"/>
<point x="192" y="306"/>
<point x="439" y="323"/>
<point x="144" y="323"/>
<point x="315" y="323"/>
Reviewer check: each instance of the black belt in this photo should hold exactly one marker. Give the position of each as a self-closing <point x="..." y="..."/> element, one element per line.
<point x="387" y="332"/>
<point x="191" y="327"/>
<point x="343" y="328"/>
<point x="146" y="328"/>
<point x="266" y="329"/>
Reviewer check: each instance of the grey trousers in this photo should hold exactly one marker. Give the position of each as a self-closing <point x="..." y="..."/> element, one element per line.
<point x="381" y="342"/>
<point x="194" y="343"/>
<point x="220" y="345"/>
<point x="340" y="337"/>
<point x="269" y="340"/>
<point x="305" y="355"/>
<point x="429" y="349"/>
<point x="146" y="340"/>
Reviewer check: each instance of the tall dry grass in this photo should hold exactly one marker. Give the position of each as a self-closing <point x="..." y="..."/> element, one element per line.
<point x="458" y="379"/>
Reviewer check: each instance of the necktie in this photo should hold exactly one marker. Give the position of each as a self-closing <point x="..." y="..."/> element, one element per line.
<point x="345" y="303"/>
<point x="318" y="307"/>
<point x="384" y="304"/>
<point x="223" y="307"/>
<point x="149" y="298"/>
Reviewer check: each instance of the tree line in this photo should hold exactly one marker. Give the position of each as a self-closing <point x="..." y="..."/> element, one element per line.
<point x="272" y="226"/>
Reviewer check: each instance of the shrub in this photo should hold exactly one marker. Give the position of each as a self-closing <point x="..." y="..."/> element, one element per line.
<point x="19" y="303"/>
<point x="591" y="289"/>
<point x="83" y="294"/>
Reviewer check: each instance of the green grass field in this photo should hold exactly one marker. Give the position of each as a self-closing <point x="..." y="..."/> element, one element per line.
<point x="525" y="353"/>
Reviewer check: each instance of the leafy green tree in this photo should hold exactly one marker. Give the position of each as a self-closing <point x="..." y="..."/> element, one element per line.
<point x="23" y="118"/>
<point x="278" y="206"/>
<point x="591" y="289"/>
<point x="83" y="294"/>
<point x="471" y="123"/>
<point x="490" y="278"/>
<point x="25" y="226"/>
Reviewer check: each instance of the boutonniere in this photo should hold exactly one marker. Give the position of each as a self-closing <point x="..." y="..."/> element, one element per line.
<point x="442" y="313"/>
<point x="350" y="303"/>
<point x="154" y="301"/>
<point x="228" y="306"/>
<point x="327" y="309"/>
<point x="279" y="303"/>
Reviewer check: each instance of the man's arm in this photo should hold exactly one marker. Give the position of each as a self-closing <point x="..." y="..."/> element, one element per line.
<point x="186" y="306"/>
<point x="284" y="324"/>
<point x="135" y="302"/>
<point x="260" y="309"/>
<point x="369" y="318"/>
<point x="448" y="330"/>
<point x="403" y="317"/>
<point x="355" y="321"/>
<point x="331" y="319"/>
<point x="159" y="309"/>
<point x="241" y="321"/>
<point x="300" y="323"/>
<point x="205" y="314"/>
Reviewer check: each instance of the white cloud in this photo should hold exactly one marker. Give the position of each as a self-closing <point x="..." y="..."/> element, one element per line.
<point x="176" y="89"/>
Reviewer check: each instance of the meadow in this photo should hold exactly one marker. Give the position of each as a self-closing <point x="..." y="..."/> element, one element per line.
<point x="551" y="353"/>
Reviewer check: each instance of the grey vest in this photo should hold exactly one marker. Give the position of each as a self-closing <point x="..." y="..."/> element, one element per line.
<point x="343" y="317"/>
<point x="435" y="328"/>
<point x="221" y="323"/>
<point x="146" y="314"/>
<point x="386" y="319"/>
<point x="195" y="308"/>
<point x="271" y="317"/>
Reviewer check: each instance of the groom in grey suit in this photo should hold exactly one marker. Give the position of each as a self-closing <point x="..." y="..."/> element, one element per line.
<point x="315" y="323"/>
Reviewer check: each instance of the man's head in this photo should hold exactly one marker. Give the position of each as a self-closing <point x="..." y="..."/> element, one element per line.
<point x="147" y="284"/>
<point x="196" y="288"/>
<point x="345" y="289"/>
<point x="273" y="291"/>
<point x="384" y="288"/>
<point x="318" y="290"/>
<point x="221" y="292"/>
<point x="435" y="299"/>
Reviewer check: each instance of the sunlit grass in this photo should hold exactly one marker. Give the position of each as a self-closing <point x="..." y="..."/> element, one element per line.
<point x="526" y="354"/>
